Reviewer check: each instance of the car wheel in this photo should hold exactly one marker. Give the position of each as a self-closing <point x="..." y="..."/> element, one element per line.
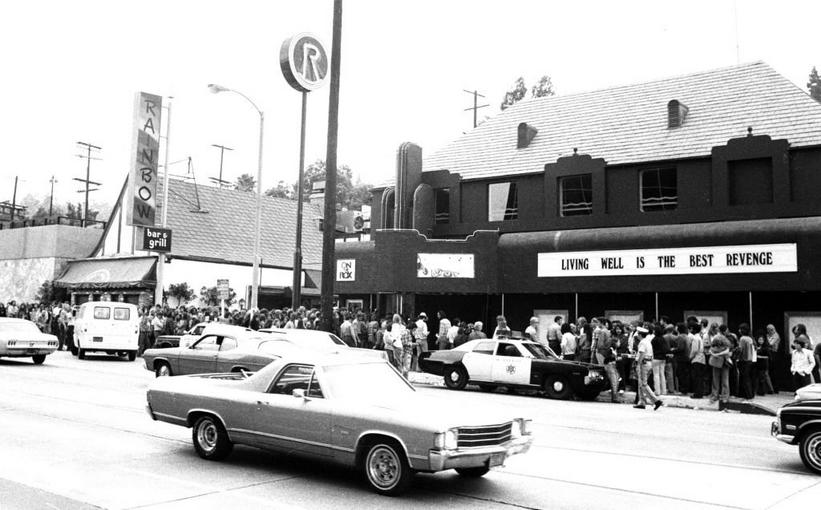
<point x="473" y="472"/>
<point x="132" y="355"/>
<point x="38" y="359"/>
<point x="210" y="439"/>
<point x="456" y="377"/>
<point x="557" y="387"/>
<point x="386" y="469"/>
<point x="809" y="447"/>
<point x="162" y="370"/>
<point x="81" y="353"/>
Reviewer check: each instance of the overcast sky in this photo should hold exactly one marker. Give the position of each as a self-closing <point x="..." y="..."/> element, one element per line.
<point x="70" y="71"/>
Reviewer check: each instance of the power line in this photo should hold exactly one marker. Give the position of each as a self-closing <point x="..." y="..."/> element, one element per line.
<point x="87" y="180"/>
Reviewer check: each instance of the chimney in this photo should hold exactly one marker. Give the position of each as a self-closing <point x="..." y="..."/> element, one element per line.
<point x="676" y="113"/>
<point x="526" y="134"/>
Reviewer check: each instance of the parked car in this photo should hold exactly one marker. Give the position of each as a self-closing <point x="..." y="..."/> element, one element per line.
<point x="319" y="341"/>
<point x="809" y="392"/>
<point x="343" y="408"/>
<point x="222" y="348"/>
<point x="514" y="363"/>
<point x="20" y="338"/>
<point x="799" y="423"/>
<point x="190" y="336"/>
<point x="107" y="326"/>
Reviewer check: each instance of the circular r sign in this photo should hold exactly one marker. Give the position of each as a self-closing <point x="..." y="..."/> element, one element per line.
<point x="304" y="62"/>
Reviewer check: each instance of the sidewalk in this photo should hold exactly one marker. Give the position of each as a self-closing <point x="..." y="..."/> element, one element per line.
<point x="765" y="404"/>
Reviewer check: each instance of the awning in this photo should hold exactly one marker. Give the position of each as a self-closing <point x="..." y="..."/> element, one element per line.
<point x="114" y="273"/>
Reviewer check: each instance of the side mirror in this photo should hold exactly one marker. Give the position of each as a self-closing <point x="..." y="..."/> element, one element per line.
<point x="299" y="393"/>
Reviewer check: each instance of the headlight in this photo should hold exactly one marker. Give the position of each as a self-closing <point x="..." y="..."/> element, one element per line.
<point x="516" y="429"/>
<point x="448" y="440"/>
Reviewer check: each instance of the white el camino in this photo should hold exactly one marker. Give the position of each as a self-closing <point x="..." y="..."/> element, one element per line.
<point x="20" y="338"/>
<point x="342" y="408"/>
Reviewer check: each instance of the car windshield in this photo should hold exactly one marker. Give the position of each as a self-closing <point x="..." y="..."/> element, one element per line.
<point x="376" y="380"/>
<point x="540" y="351"/>
<point x="19" y="328"/>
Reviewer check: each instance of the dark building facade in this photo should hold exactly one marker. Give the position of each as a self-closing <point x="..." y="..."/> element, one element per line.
<point x="691" y="195"/>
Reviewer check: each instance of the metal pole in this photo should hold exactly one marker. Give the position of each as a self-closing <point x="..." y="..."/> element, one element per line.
<point x="158" y="289"/>
<point x="255" y="269"/>
<point x="296" y="288"/>
<point x="51" y="198"/>
<point x="750" y="303"/>
<point x="88" y="179"/>
<point x="657" y="306"/>
<point x="475" y="106"/>
<point x="329" y="221"/>
<point x="14" y="199"/>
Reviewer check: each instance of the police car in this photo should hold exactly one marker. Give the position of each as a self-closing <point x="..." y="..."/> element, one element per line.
<point x="489" y="363"/>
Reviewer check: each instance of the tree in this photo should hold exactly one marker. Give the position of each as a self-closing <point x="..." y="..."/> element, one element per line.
<point x="48" y="292"/>
<point x="517" y="94"/>
<point x="245" y="182"/>
<point x="181" y="291"/>
<point x="544" y="87"/>
<point x="210" y="297"/>
<point x="348" y="195"/>
<point x="75" y="212"/>
<point x="814" y="85"/>
<point x="282" y="190"/>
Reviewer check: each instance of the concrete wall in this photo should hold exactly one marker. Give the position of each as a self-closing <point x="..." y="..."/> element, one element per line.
<point x="20" y="279"/>
<point x="60" y="241"/>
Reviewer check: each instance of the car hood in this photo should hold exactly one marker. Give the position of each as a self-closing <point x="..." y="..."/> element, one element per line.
<point x="580" y="364"/>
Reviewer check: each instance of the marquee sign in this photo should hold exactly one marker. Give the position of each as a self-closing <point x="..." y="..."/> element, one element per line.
<point x="142" y="178"/>
<point x="304" y="62"/>
<point x="750" y="258"/>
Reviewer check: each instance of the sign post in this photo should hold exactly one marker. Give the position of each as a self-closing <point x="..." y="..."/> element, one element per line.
<point x="304" y="64"/>
<point x="223" y="292"/>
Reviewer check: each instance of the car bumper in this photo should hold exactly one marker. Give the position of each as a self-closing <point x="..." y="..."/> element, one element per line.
<point x="13" y="352"/>
<point x="490" y="456"/>
<point x="775" y="431"/>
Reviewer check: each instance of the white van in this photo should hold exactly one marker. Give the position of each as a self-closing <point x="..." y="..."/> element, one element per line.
<point x="107" y="326"/>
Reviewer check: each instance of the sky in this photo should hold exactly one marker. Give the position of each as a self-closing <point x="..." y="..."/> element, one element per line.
<point x="71" y="70"/>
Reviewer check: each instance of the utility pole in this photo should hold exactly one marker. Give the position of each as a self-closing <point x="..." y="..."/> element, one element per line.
<point x="476" y="106"/>
<point x="222" y="149"/>
<point x="51" y="197"/>
<point x="87" y="180"/>
<point x="14" y="199"/>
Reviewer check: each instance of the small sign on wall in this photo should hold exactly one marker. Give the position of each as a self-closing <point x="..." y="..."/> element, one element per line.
<point x="157" y="239"/>
<point x="444" y="265"/>
<point x="346" y="270"/>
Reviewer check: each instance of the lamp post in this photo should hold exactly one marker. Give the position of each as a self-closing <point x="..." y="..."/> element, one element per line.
<point x="216" y="89"/>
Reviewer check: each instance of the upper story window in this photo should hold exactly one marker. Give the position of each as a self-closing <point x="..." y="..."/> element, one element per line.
<point x="502" y="201"/>
<point x="750" y="181"/>
<point x="576" y="195"/>
<point x="659" y="189"/>
<point x="441" y="200"/>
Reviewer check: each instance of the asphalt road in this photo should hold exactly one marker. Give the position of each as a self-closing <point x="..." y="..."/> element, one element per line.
<point x="75" y="435"/>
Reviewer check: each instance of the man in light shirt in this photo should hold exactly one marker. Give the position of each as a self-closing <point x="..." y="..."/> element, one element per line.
<point x="644" y="361"/>
<point x="442" y="336"/>
<point x="420" y="340"/>
<point x="554" y="333"/>
<point x="802" y="364"/>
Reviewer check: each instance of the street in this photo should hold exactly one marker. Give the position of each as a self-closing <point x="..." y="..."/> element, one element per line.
<point x="76" y="436"/>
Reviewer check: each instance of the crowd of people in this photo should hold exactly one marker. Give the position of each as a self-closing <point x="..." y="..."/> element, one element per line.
<point x="655" y="358"/>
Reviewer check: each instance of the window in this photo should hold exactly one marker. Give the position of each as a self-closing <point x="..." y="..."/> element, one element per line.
<point x="502" y="201"/>
<point x="484" y="348"/>
<point x="122" y="314"/>
<point x="441" y="203"/>
<point x="102" y="312"/>
<point x="506" y="349"/>
<point x="750" y="181"/>
<point x="207" y="343"/>
<point x="576" y="195"/>
<point x="659" y="190"/>
<point x="293" y="377"/>
<point x="228" y="344"/>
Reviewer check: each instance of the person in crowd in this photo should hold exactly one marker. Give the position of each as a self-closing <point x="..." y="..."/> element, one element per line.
<point x="145" y="332"/>
<point x="477" y="332"/>
<point x="420" y="340"/>
<point x="71" y="317"/>
<point x="380" y="335"/>
<point x="720" y="361"/>
<point x="554" y="334"/>
<point x="698" y="360"/>
<point x="569" y="345"/>
<point x="462" y="334"/>
<point x="397" y="331"/>
<point x="800" y="331"/>
<point x="12" y="309"/>
<point x="407" y="348"/>
<point x="157" y="324"/>
<point x="2" y="309"/>
<point x="442" y="342"/>
<point x="816" y="352"/>
<point x="660" y="350"/>
<point x="681" y="358"/>
<point x="644" y="363"/>
<point x="584" y="342"/>
<point x="358" y="329"/>
<point x="595" y="328"/>
<point x="606" y="356"/>
<point x="453" y="332"/>
<point x="346" y="329"/>
<point x="621" y="343"/>
<point x="502" y="330"/>
<point x="734" y="350"/>
<point x="762" y="384"/>
<point x="670" y="338"/>
<point x="532" y="330"/>
<point x="747" y="358"/>
<point x="802" y="364"/>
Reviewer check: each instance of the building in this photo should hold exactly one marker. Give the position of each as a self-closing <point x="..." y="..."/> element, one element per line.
<point x="212" y="238"/>
<point x="694" y="195"/>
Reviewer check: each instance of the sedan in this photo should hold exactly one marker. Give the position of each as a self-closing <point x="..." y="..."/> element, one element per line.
<point x="343" y="408"/>
<point x="221" y="349"/>
<point x="319" y="341"/>
<point x="20" y="338"/>
<point x="513" y="363"/>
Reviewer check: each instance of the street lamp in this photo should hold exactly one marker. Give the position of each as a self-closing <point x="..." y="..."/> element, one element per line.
<point x="216" y="89"/>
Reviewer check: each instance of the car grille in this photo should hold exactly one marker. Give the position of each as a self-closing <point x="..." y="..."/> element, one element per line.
<point x="487" y="435"/>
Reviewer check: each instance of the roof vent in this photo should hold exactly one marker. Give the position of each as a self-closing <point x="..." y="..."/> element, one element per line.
<point x="526" y="134"/>
<point x="676" y="113"/>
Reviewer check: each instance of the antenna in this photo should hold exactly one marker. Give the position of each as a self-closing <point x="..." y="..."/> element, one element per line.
<point x="475" y="108"/>
<point x="218" y="181"/>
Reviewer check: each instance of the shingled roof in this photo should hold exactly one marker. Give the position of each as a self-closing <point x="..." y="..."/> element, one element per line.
<point x="223" y="226"/>
<point x="628" y="124"/>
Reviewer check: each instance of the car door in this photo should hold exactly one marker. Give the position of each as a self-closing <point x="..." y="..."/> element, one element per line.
<point x="510" y="366"/>
<point x="295" y="423"/>
<point x="479" y="361"/>
<point x="200" y="358"/>
<point x="228" y="355"/>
